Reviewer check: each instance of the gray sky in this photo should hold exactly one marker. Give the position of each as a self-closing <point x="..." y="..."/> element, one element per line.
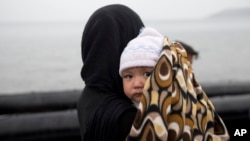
<point x="78" y="10"/>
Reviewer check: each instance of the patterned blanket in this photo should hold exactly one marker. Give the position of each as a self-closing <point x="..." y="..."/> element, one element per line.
<point x="174" y="106"/>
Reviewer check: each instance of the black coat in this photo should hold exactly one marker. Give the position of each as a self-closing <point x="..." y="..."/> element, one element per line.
<point x="104" y="112"/>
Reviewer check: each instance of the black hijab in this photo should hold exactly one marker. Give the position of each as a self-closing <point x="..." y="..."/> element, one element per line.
<point x="104" y="112"/>
<point x="105" y="36"/>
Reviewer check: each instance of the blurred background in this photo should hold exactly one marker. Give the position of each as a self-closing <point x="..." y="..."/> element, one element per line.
<point x="40" y="39"/>
<point x="40" y="59"/>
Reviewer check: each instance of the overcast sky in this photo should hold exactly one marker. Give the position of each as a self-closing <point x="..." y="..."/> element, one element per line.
<point x="78" y="10"/>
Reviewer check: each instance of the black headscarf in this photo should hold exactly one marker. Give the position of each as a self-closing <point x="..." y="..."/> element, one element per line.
<point x="104" y="112"/>
<point x="105" y="36"/>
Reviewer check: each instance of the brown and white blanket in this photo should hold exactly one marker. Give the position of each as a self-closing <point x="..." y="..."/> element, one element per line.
<point x="174" y="106"/>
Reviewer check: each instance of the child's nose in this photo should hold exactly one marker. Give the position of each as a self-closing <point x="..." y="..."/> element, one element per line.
<point x="139" y="82"/>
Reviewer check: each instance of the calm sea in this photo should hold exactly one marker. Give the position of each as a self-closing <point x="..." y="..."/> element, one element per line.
<point x="46" y="56"/>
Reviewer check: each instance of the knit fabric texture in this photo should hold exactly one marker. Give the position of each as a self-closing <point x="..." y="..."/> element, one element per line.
<point x="144" y="50"/>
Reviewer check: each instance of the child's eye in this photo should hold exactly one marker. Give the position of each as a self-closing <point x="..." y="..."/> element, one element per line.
<point x="147" y="74"/>
<point x="127" y="76"/>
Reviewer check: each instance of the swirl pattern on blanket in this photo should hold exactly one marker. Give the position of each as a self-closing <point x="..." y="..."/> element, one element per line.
<point x="174" y="106"/>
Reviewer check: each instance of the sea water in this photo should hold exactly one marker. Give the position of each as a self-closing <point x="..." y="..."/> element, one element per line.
<point x="38" y="57"/>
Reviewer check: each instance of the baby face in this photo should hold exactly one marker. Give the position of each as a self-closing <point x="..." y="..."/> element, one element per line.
<point x="133" y="81"/>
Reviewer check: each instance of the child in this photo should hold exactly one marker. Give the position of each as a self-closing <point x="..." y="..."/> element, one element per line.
<point x="137" y="61"/>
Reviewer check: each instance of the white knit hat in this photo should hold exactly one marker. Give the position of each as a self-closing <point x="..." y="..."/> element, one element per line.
<point x="144" y="50"/>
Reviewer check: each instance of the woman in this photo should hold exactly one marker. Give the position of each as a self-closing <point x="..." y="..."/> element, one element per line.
<point x="104" y="112"/>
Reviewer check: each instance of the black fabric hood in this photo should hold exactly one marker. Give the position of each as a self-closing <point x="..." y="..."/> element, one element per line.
<point x="106" y="34"/>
